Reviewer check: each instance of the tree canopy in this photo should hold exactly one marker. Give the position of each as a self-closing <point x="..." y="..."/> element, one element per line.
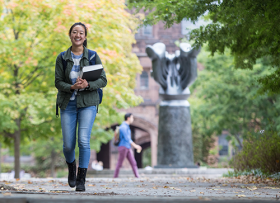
<point x="248" y="28"/>
<point x="224" y="98"/>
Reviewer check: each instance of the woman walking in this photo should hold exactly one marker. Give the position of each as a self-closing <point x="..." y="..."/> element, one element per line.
<point x="78" y="100"/>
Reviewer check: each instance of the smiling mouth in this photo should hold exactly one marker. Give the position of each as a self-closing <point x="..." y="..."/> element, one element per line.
<point x="77" y="39"/>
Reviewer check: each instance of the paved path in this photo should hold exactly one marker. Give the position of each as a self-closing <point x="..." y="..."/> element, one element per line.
<point x="177" y="189"/>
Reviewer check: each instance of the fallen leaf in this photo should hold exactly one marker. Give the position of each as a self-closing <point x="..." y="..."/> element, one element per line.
<point x="252" y="188"/>
<point x="192" y="190"/>
<point x="29" y="182"/>
<point x="201" y="192"/>
<point x="165" y="186"/>
<point x="273" y="188"/>
<point x="91" y="185"/>
<point x="155" y="188"/>
<point x="241" y="195"/>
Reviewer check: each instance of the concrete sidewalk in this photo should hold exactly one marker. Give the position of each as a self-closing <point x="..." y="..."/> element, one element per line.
<point x="166" y="172"/>
<point x="176" y="189"/>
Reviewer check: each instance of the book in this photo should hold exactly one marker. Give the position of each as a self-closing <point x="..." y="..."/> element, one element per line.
<point x="91" y="73"/>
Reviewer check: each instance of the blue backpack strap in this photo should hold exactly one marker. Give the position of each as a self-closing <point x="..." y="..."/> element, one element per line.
<point x="91" y="57"/>
<point x="92" y="61"/>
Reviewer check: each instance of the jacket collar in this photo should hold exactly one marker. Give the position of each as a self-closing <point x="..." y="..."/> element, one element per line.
<point x="125" y="123"/>
<point x="67" y="54"/>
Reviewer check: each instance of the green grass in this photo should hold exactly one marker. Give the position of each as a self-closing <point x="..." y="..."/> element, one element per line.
<point x="255" y="172"/>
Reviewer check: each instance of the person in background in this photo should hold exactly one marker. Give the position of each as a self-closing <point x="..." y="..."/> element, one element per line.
<point x="125" y="144"/>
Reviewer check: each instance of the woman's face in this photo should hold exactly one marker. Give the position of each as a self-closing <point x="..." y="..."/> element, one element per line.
<point x="78" y="35"/>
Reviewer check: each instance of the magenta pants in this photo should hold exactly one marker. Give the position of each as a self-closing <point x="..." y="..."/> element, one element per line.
<point x="126" y="153"/>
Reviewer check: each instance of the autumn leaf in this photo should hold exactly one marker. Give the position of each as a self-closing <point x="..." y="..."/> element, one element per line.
<point x="252" y="188"/>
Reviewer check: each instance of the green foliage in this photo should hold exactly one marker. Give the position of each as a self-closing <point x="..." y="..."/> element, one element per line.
<point x="260" y="151"/>
<point x="147" y="157"/>
<point x="202" y="143"/>
<point x="248" y="28"/>
<point x="224" y="98"/>
<point x="257" y="173"/>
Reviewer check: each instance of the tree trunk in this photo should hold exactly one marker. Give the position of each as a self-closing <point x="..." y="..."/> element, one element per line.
<point x="17" y="149"/>
<point x="53" y="159"/>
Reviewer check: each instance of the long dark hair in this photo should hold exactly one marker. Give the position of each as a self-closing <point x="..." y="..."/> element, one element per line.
<point x="79" y="23"/>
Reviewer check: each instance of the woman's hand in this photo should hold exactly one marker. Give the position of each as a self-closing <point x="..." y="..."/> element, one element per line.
<point x="80" y="84"/>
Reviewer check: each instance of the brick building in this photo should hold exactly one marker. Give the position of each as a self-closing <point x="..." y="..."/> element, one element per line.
<point x="144" y="129"/>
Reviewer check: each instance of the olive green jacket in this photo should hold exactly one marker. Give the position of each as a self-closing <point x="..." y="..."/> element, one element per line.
<point x="63" y="83"/>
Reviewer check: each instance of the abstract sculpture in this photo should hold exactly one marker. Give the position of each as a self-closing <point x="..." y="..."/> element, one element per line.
<point x="175" y="73"/>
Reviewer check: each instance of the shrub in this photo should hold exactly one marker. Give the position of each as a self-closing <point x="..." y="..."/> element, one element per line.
<point x="260" y="151"/>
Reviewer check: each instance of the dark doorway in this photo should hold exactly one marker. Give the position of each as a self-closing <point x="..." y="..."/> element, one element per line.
<point x="138" y="156"/>
<point x="104" y="155"/>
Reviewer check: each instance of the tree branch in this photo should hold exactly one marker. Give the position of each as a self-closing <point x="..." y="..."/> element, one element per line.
<point x="27" y="84"/>
<point x="238" y="140"/>
<point x="30" y="75"/>
<point x="10" y="135"/>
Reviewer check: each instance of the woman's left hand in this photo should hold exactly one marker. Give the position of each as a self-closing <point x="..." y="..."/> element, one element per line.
<point x="84" y="83"/>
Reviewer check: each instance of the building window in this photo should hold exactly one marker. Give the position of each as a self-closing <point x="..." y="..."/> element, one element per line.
<point x="145" y="31"/>
<point x="223" y="145"/>
<point x="148" y="30"/>
<point x="144" y="80"/>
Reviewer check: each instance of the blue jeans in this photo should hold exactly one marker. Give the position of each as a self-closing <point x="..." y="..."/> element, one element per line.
<point x="70" y="117"/>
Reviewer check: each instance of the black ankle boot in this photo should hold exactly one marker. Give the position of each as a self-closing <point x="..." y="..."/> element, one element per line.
<point x="81" y="179"/>
<point x="72" y="173"/>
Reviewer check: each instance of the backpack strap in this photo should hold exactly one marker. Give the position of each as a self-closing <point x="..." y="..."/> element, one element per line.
<point x="91" y="57"/>
<point x="64" y="64"/>
<point x="92" y="61"/>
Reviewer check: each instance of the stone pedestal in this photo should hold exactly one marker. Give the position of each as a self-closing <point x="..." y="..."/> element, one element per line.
<point x="175" y="135"/>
